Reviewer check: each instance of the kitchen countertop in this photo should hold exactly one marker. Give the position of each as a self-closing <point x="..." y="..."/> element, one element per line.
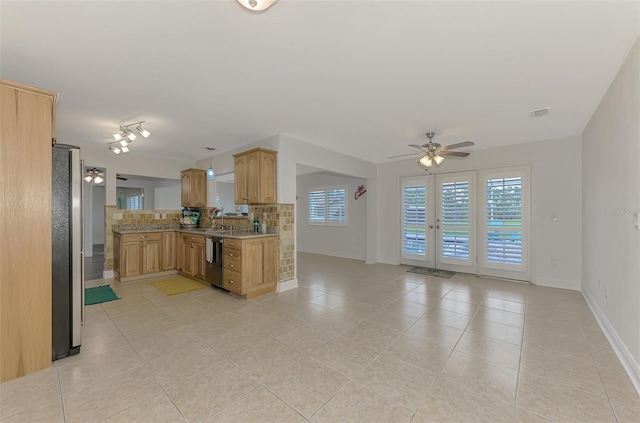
<point x="198" y="231"/>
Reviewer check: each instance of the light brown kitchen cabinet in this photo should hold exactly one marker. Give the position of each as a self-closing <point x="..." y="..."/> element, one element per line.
<point x="168" y="250"/>
<point x="250" y="266"/>
<point x="27" y="116"/>
<point x="193" y="252"/>
<point x="193" y="188"/>
<point x="137" y="254"/>
<point x="255" y="174"/>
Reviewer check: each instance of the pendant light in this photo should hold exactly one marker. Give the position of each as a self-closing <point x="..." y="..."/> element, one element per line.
<point x="210" y="173"/>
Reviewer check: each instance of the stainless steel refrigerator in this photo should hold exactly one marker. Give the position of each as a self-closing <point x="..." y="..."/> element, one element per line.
<point x="67" y="242"/>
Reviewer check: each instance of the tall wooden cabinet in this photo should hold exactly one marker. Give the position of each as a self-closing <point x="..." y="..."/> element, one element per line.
<point x="193" y="188"/>
<point x="255" y="174"/>
<point x="26" y="130"/>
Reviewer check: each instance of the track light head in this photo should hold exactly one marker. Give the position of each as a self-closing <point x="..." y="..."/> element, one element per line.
<point x="143" y="132"/>
<point x="117" y="137"/>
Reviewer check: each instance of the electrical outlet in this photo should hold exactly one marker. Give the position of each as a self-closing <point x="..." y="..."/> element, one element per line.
<point x="117" y="216"/>
<point x="157" y="215"/>
<point x="164" y="215"/>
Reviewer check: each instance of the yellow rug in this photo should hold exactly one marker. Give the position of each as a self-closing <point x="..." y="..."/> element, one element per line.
<point x="177" y="286"/>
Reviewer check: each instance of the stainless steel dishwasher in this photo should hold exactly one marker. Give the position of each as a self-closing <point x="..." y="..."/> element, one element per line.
<point x="214" y="256"/>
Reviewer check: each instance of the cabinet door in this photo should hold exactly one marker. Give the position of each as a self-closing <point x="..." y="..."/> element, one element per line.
<point x="268" y="178"/>
<point x="152" y="257"/>
<point x="131" y="259"/>
<point x="198" y="189"/>
<point x="253" y="177"/>
<point x="252" y="256"/>
<point x="180" y="245"/>
<point x="200" y="264"/>
<point x="188" y="267"/>
<point x="269" y="261"/>
<point x="168" y="250"/>
<point x="185" y="189"/>
<point x="240" y="173"/>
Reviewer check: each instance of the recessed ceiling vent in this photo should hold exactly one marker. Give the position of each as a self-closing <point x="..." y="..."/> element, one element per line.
<point x="541" y="113"/>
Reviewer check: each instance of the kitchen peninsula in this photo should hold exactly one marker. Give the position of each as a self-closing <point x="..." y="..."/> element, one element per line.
<point x="250" y="260"/>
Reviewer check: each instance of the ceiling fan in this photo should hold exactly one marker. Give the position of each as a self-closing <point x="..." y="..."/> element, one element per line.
<point x="432" y="152"/>
<point x="122" y="178"/>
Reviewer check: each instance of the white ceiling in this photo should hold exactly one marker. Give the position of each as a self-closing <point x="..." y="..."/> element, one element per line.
<point x="362" y="78"/>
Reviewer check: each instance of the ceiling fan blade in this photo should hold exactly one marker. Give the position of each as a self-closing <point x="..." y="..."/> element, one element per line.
<point x="453" y="153"/>
<point x="419" y="147"/>
<point x="459" y="145"/>
<point x="402" y="155"/>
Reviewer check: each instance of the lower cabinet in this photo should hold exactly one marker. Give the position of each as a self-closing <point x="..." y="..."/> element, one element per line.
<point x="250" y="266"/>
<point x="137" y="254"/>
<point x="169" y="250"/>
<point x="193" y="256"/>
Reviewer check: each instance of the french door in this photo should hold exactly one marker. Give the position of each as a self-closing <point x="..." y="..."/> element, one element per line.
<point x="467" y="222"/>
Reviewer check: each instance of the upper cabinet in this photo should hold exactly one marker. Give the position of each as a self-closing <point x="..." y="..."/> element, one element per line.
<point x="255" y="176"/>
<point x="193" y="188"/>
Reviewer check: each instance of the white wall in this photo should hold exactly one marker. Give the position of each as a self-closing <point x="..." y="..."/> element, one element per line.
<point x="610" y="196"/>
<point x="555" y="190"/>
<point x="131" y="163"/>
<point x="168" y="197"/>
<point x="342" y="241"/>
<point x="226" y="191"/>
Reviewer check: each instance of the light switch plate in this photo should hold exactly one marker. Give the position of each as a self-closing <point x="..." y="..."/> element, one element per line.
<point x="635" y="221"/>
<point x="117" y="216"/>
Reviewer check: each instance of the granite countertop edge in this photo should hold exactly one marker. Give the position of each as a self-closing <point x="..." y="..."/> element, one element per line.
<point x="237" y="234"/>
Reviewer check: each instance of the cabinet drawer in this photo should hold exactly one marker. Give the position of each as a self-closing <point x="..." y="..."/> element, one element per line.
<point x="147" y="236"/>
<point x="232" y="281"/>
<point x="233" y="243"/>
<point x="231" y="253"/>
<point x="233" y="263"/>
<point x="198" y="239"/>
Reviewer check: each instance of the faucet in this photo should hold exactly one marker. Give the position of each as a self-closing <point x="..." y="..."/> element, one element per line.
<point x="222" y="214"/>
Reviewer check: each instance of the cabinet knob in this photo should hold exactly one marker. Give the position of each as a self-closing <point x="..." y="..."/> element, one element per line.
<point x="143" y="237"/>
<point x="230" y="254"/>
<point x="230" y="265"/>
<point x="231" y="281"/>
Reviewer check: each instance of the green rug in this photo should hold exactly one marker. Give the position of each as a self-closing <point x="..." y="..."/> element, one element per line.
<point x="431" y="272"/>
<point x="99" y="294"/>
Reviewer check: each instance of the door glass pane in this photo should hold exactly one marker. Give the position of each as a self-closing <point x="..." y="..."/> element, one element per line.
<point x="504" y="220"/>
<point x="455" y="219"/>
<point x="414" y="218"/>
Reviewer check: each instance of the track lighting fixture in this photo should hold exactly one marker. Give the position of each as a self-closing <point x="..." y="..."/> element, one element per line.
<point x="125" y="136"/>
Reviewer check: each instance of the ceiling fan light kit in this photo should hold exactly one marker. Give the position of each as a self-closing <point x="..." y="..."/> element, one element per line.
<point x="94" y="175"/>
<point x="257" y="5"/>
<point x="433" y="153"/>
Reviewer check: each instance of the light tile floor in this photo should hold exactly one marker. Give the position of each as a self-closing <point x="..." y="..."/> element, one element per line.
<point x="355" y="343"/>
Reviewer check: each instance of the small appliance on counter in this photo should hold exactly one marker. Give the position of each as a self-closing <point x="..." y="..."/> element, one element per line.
<point x="190" y="218"/>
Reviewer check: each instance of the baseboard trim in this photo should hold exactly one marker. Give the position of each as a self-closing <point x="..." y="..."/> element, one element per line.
<point x="624" y="355"/>
<point x="108" y="274"/>
<point x="556" y="283"/>
<point x="287" y="285"/>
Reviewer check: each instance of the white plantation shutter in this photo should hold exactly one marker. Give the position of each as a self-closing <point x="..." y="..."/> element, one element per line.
<point x="455" y="219"/>
<point x="414" y="219"/>
<point x="328" y="206"/>
<point x="504" y="220"/>
<point x="316" y="207"/>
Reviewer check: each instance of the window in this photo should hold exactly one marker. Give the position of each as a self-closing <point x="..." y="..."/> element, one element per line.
<point x="245" y="209"/>
<point x="328" y="206"/>
<point x="134" y="202"/>
<point x="504" y="220"/>
<point x="218" y="204"/>
<point x="414" y="219"/>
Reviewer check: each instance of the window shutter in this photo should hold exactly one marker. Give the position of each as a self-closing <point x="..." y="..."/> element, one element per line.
<point x="316" y="207"/>
<point x="335" y="205"/>
<point x="455" y="220"/>
<point x="218" y="204"/>
<point x="504" y="220"/>
<point x="414" y="219"/>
